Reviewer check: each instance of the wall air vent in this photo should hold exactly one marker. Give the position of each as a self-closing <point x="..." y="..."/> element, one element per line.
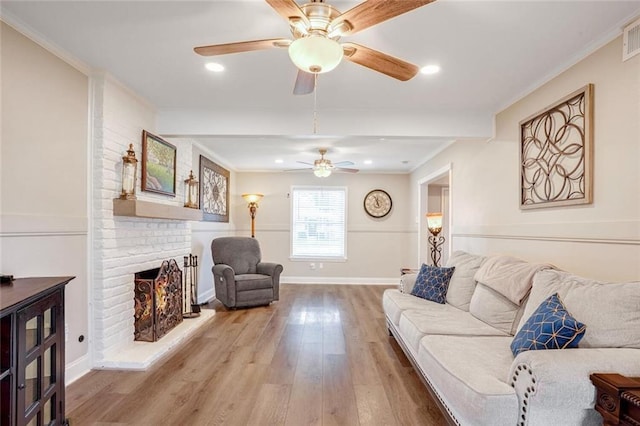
<point x="631" y="40"/>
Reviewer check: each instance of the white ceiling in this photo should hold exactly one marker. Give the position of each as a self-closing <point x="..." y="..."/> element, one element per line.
<point x="491" y="53"/>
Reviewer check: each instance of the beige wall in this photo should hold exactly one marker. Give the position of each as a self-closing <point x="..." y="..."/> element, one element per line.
<point x="600" y="240"/>
<point x="376" y="248"/>
<point x="44" y="174"/>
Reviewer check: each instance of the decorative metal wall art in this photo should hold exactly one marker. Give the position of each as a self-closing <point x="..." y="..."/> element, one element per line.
<point x="214" y="191"/>
<point x="556" y="153"/>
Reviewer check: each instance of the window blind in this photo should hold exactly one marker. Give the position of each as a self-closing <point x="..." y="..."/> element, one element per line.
<point x="318" y="222"/>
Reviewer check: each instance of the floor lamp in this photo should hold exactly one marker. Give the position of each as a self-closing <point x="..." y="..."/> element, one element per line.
<point x="252" y="199"/>
<point x="434" y="223"/>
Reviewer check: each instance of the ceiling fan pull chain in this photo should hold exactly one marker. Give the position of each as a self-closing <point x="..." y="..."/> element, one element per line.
<point x="315" y="104"/>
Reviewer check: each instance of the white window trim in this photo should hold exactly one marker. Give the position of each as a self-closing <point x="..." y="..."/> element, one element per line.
<point x="299" y="258"/>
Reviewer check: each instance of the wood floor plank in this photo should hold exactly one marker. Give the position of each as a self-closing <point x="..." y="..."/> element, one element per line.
<point x="305" y="403"/>
<point x="373" y="406"/>
<point x="338" y="396"/>
<point x="319" y="356"/>
<point x="361" y="363"/>
<point x="284" y="362"/>
<point x="271" y="404"/>
<point x="266" y="345"/>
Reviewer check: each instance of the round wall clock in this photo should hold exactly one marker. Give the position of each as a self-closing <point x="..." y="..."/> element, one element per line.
<point x="377" y="203"/>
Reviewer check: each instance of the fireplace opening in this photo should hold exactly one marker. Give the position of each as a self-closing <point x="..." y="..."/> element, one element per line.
<point x="158" y="301"/>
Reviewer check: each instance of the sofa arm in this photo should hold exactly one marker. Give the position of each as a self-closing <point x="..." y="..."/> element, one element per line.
<point x="407" y="281"/>
<point x="553" y="386"/>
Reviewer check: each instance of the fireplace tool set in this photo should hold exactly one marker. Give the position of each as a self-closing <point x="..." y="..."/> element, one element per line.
<point x="190" y="309"/>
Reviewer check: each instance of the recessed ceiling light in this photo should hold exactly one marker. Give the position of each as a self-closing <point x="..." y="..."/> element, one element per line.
<point x="368" y="162"/>
<point x="279" y="161"/>
<point x="430" y="69"/>
<point x="214" y="66"/>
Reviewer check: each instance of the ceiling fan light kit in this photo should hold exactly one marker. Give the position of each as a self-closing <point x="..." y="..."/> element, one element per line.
<point x="322" y="171"/>
<point x="315" y="54"/>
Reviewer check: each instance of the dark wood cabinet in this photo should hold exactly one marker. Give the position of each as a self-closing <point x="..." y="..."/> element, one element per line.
<point x="32" y="352"/>
<point x="617" y="399"/>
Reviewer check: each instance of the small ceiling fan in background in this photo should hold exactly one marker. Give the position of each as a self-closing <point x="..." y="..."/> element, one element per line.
<point x="323" y="167"/>
<point x="316" y="28"/>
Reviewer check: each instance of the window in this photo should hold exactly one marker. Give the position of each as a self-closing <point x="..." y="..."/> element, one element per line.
<point x="318" y="222"/>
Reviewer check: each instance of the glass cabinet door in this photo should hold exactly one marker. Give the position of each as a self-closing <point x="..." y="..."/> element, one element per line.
<point x="6" y="373"/>
<point x="39" y="333"/>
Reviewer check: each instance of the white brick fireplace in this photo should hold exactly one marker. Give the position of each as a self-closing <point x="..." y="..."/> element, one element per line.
<point x="122" y="245"/>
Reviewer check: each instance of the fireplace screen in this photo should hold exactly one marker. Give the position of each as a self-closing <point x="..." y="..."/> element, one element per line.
<point x="158" y="301"/>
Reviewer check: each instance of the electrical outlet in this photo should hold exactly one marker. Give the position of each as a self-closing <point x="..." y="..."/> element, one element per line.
<point x="320" y="265"/>
<point x="312" y="266"/>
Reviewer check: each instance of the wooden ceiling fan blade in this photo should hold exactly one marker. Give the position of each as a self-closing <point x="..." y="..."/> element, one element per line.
<point x="378" y="61"/>
<point x="288" y="9"/>
<point x="343" y="163"/>
<point x="372" y="12"/>
<point x="304" y="162"/>
<point x="241" y="46"/>
<point x="305" y="83"/>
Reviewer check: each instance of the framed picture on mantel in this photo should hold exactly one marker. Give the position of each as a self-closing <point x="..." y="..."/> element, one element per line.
<point x="214" y="191"/>
<point x="158" y="165"/>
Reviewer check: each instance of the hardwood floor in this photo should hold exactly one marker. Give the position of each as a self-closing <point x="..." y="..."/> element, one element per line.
<point x="319" y="356"/>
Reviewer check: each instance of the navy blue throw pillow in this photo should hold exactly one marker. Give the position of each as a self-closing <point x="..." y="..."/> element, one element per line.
<point x="549" y="327"/>
<point x="432" y="283"/>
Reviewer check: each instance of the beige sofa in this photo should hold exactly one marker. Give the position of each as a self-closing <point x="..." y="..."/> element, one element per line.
<point x="462" y="348"/>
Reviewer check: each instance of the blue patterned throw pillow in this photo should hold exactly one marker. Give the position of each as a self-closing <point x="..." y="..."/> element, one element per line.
<point x="432" y="283"/>
<point x="549" y="327"/>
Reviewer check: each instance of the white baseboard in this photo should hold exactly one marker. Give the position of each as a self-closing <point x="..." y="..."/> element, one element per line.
<point x="340" y="280"/>
<point x="206" y="296"/>
<point x="76" y="369"/>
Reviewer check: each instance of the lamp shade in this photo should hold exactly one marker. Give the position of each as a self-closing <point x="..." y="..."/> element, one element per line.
<point x="252" y="198"/>
<point x="434" y="222"/>
<point x="315" y="54"/>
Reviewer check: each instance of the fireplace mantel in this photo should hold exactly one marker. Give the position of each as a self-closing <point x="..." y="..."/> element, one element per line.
<point x="149" y="209"/>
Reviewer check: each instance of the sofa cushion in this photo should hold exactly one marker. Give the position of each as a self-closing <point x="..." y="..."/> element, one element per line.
<point x="509" y="276"/>
<point x="470" y="374"/>
<point x="549" y="327"/>
<point x="493" y="308"/>
<point x="462" y="283"/>
<point x="394" y="303"/>
<point x="432" y="283"/>
<point x="416" y="323"/>
<point x="611" y="311"/>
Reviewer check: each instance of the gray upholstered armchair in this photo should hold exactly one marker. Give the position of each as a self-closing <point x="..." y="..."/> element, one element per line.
<point x="240" y="277"/>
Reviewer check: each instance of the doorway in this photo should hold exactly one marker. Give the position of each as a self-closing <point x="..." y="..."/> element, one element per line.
<point x="434" y="195"/>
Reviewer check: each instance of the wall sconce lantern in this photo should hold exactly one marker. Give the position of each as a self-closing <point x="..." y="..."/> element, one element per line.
<point x="252" y="199"/>
<point x="434" y="223"/>
<point x="129" y="175"/>
<point x="191" y="192"/>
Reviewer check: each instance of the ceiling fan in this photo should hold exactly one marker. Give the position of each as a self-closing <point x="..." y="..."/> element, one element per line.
<point x="323" y="167"/>
<point x="316" y="28"/>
